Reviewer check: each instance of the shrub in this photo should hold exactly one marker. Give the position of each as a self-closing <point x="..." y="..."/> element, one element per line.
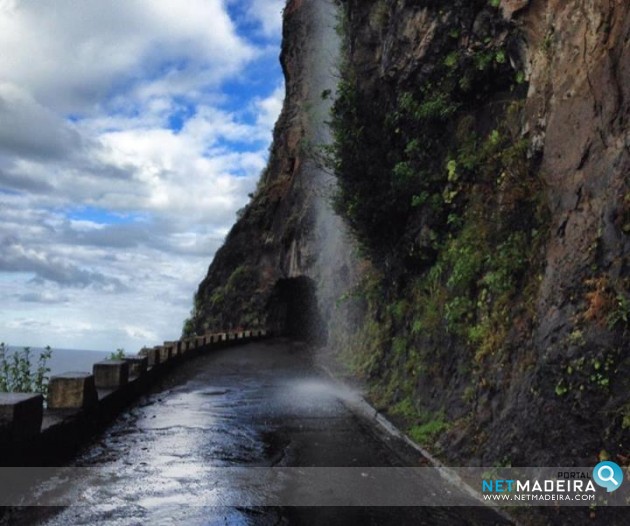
<point x="118" y="355"/>
<point x="17" y="371"/>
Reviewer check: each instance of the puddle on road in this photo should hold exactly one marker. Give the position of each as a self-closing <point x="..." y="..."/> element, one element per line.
<point x="215" y="392"/>
<point x="313" y="395"/>
<point x="310" y="388"/>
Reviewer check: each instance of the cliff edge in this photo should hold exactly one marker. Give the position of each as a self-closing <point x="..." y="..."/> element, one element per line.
<point x="288" y="258"/>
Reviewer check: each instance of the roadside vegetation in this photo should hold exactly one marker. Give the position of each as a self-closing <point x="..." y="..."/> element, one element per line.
<point x="21" y="373"/>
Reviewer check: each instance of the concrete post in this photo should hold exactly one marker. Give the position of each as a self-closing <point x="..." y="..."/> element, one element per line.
<point x="72" y="391"/>
<point x="163" y="352"/>
<point x="152" y="356"/>
<point x="21" y="415"/>
<point x="173" y="348"/>
<point x="137" y="365"/>
<point x="111" y="374"/>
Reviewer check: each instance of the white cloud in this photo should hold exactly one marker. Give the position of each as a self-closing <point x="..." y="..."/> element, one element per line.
<point x="123" y="160"/>
<point x="29" y="129"/>
<point x="269" y="108"/>
<point x="71" y="54"/>
<point x="267" y="13"/>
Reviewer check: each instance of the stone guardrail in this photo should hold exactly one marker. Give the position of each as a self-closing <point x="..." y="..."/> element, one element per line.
<point x="33" y="433"/>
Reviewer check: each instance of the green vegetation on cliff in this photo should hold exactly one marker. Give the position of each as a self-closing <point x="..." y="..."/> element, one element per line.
<point x="440" y="191"/>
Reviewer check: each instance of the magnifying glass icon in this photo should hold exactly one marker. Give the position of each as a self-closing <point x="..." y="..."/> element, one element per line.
<point x="610" y="475"/>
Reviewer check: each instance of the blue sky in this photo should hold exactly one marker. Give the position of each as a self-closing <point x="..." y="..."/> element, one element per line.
<point x="132" y="133"/>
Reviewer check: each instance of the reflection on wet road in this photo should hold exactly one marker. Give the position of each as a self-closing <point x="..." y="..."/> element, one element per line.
<point x="261" y="404"/>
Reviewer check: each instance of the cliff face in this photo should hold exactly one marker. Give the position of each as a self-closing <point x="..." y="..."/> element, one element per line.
<point x="288" y="258"/>
<point x="482" y="155"/>
<point x="576" y="113"/>
<point x="496" y="136"/>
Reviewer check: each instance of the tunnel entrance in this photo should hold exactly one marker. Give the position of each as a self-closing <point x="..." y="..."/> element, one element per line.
<point x="293" y="311"/>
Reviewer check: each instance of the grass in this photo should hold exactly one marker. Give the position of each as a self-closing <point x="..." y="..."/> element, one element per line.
<point x="425" y="434"/>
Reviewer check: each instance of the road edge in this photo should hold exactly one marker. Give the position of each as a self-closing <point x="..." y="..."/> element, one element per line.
<point x="359" y="405"/>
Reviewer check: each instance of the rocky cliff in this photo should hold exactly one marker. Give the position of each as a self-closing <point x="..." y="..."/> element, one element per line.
<point x="481" y="155"/>
<point x="288" y="258"/>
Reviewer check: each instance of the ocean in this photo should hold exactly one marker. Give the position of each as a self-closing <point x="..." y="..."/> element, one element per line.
<point x="67" y="360"/>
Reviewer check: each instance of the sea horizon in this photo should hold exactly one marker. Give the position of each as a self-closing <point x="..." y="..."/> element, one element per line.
<point x="65" y="360"/>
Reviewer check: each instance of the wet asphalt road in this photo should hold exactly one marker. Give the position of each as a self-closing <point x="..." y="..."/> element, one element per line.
<point x="258" y="405"/>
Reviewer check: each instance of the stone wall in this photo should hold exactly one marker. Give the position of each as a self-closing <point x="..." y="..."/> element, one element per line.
<point x="33" y="433"/>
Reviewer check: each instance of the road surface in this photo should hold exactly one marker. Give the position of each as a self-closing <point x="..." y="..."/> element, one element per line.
<point x="176" y="456"/>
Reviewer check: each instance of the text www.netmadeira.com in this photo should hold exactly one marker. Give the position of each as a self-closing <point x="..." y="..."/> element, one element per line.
<point x="533" y="497"/>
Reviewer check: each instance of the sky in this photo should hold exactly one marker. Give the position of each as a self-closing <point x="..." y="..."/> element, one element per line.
<point x="131" y="132"/>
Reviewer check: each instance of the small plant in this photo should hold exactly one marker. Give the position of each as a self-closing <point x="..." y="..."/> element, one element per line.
<point x="426" y="433"/>
<point x="189" y="328"/>
<point x="561" y="388"/>
<point x="19" y="375"/>
<point x="548" y="43"/>
<point x="118" y="355"/>
<point x="600" y="302"/>
<point x="405" y="408"/>
<point x="576" y="338"/>
<point x="620" y="314"/>
<point x="469" y="394"/>
<point x="451" y="59"/>
<point x="380" y="14"/>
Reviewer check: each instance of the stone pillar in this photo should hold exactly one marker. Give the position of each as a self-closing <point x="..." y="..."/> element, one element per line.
<point x="21" y="415"/>
<point x="152" y="356"/>
<point x="111" y="374"/>
<point x="137" y="365"/>
<point x="173" y="348"/>
<point x="72" y="391"/>
<point x="163" y="352"/>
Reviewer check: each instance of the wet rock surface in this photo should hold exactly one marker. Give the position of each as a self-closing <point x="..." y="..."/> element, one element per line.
<point x="259" y="405"/>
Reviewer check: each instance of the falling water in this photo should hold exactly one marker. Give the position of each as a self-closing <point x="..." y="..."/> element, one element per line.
<point x="333" y="270"/>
